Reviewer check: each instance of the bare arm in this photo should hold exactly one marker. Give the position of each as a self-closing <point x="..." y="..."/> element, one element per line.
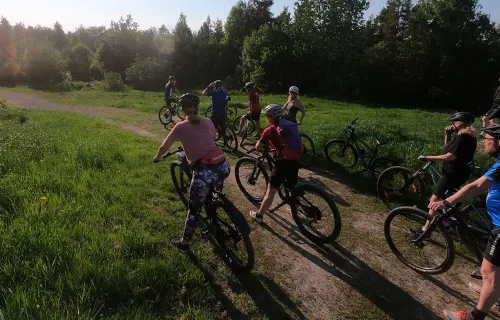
<point x="259" y="145"/>
<point x="169" y="141"/>
<point x="444" y="157"/>
<point x="302" y="110"/>
<point x="469" y="191"/>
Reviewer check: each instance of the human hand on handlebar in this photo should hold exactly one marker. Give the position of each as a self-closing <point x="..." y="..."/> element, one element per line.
<point x="422" y="158"/>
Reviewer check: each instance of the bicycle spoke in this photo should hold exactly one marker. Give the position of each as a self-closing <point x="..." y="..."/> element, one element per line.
<point x="231" y="239"/>
<point x="313" y="211"/>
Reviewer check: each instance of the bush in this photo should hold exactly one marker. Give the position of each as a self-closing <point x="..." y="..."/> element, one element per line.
<point x="113" y="81"/>
<point x="66" y="83"/>
<point x="42" y="63"/>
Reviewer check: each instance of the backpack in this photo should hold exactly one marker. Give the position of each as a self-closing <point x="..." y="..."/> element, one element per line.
<point x="291" y="146"/>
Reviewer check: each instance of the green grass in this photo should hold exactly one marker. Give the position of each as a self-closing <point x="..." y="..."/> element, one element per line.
<point x="410" y="132"/>
<point x="85" y="219"/>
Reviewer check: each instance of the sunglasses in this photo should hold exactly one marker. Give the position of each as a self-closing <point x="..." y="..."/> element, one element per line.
<point x="483" y="137"/>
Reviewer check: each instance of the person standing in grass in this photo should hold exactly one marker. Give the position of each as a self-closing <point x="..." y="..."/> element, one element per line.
<point x="253" y="108"/>
<point x="169" y="90"/>
<point x="209" y="164"/>
<point x="490" y="267"/>
<point x="219" y="96"/>
<point x="457" y="157"/>
<point x="293" y="106"/>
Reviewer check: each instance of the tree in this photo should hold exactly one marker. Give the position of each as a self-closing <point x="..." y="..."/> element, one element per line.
<point x="42" y="63"/>
<point x="78" y="61"/>
<point x="59" y="37"/>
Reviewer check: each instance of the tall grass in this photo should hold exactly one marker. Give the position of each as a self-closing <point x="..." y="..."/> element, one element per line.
<point x="85" y="219"/>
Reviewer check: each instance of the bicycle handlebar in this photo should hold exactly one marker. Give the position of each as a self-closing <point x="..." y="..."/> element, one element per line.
<point x="349" y="126"/>
<point x="168" y="154"/>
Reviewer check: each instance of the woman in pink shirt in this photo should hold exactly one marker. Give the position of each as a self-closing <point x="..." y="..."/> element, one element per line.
<point x="208" y="162"/>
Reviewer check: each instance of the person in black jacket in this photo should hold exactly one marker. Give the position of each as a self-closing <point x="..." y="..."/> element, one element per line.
<point x="494" y="113"/>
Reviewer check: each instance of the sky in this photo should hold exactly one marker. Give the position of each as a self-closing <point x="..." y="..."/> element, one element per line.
<point x="148" y="13"/>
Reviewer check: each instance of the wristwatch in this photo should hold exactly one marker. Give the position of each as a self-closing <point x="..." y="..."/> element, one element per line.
<point x="447" y="204"/>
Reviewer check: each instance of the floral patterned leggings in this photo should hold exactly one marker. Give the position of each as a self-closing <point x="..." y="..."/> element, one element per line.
<point x="204" y="177"/>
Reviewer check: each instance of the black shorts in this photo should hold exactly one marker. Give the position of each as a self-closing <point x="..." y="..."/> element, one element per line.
<point x="449" y="182"/>
<point x="493" y="113"/>
<point x="255" y="116"/>
<point x="492" y="251"/>
<point x="284" y="171"/>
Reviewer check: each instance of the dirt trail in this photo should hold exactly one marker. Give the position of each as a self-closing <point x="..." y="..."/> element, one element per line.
<point x="355" y="278"/>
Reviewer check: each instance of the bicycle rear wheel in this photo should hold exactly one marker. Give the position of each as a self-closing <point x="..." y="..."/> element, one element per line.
<point x="179" y="114"/>
<point x="230" y="139"/>
<point x="247" y="128"/>
<point x="396" y="186"/>
<point x="341" y="153"/>
<point x="231" y="112"/>
<point x="235" y="243"/>
<point x="165" y="115"/>
<point x="432" y="255"/>
<point x="315" y="213"/>
<point x="181" y="181"/>
<point x="252" y="178"/>
<point x="309" y="151"/>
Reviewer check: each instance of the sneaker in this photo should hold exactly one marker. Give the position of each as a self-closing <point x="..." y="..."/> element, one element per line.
<point x="476" y="274"/>
<point x="458" y="315"/>
<point x="256" y="216"/>
<point x="177" y="242"/>
<point x="475" y="287"/>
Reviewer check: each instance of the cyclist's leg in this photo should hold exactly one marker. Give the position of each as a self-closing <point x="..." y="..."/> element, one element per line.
<point x="292" y="173"/>
<point x="256" y="119"/>
<point x="490" y="270"/>
<point x="200" y="187"/>
<point x="243" y="118"/>
<point x="222" y="172"/>
<point x="277" y="177"/>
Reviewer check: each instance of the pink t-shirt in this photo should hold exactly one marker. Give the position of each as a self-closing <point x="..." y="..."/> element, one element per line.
<point x="197" y="139"/>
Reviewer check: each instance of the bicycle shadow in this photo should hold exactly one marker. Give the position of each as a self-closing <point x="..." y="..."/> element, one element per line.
<point x="358" y="275"/>
<point x="335" y="196"/>
<point x="268" y="297"/>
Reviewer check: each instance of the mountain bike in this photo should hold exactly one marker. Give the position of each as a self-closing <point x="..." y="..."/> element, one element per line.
<point x="166" y="113"/>
<point x="312" y="208"/>
<point x="247" y="128"/>
<point x="433" y="251"/>
<point x="222" y="220"/>
<point x="231" y="111"/>
<point x="308" y="152"/>
<point x="351" y="150"/>
<point x="226" y="134"/>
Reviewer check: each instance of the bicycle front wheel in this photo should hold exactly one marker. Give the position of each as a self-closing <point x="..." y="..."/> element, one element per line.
<point x="252" y="178"/>
<point x="341" y="153"/>
<point x="179" y="114"/>
<point x="231" y="112"/>
<point x="309" y="151"/>
<point x="181" y="181"/>
<point x="432" y="255"/>
<point x="315" y="213"/>
<point x="247" y="128"/>
<point x="235" y="243"/>
<point x="165" y="115"/>
<point x="397" y="186"/>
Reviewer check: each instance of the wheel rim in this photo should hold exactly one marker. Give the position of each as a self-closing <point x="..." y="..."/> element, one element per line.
<point x="341" y="153"/>
<point x="252" y="181"/>
<point x="232" y="240"/>
<point x="165" y="116"/>
<point x="308" y="152"/>
<point x="182" y="182"/>
<point x="429" y="254"/>
<point x="315" y="214"/>
<point x="394" y="192"/>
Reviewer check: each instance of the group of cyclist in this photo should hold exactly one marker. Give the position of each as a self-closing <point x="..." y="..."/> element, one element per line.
<point x="209" y="164"/>
<point x="210" y="167"/>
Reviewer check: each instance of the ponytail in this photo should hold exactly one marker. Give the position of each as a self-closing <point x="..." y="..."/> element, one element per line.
<point x="193" y="118"/>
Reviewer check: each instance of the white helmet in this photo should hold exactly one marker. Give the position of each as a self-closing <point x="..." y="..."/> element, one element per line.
<point x="294" y="89"/>
<point x="272" y="110"/>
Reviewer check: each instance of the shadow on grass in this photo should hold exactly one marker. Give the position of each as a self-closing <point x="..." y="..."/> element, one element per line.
<point x="392" y="300"/>
<point x="267" y="296"/>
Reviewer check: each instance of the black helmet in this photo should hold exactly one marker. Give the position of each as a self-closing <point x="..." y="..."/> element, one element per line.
<point x="218" y="83"/>
<point x="493" y="130"/>
<point x="249" y="85"/>
<point x="189" y="101"/>
<point x="465" y="117"/>
<point x="171" y="78"/>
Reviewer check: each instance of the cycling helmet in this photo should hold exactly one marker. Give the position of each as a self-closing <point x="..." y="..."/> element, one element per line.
<point x="294" y="89"/>
<point x="171" y="78"/>
<point x="189" y="101"/>
<point x="218" y="83"/>
<point x="249" y="85"/>
<point x="466" y="117"/>
<point x="493" y="130"/>
<point x="272" y="110"/>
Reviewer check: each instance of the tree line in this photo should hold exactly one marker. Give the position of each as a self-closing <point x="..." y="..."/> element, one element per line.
<point x="434" y="53"/>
